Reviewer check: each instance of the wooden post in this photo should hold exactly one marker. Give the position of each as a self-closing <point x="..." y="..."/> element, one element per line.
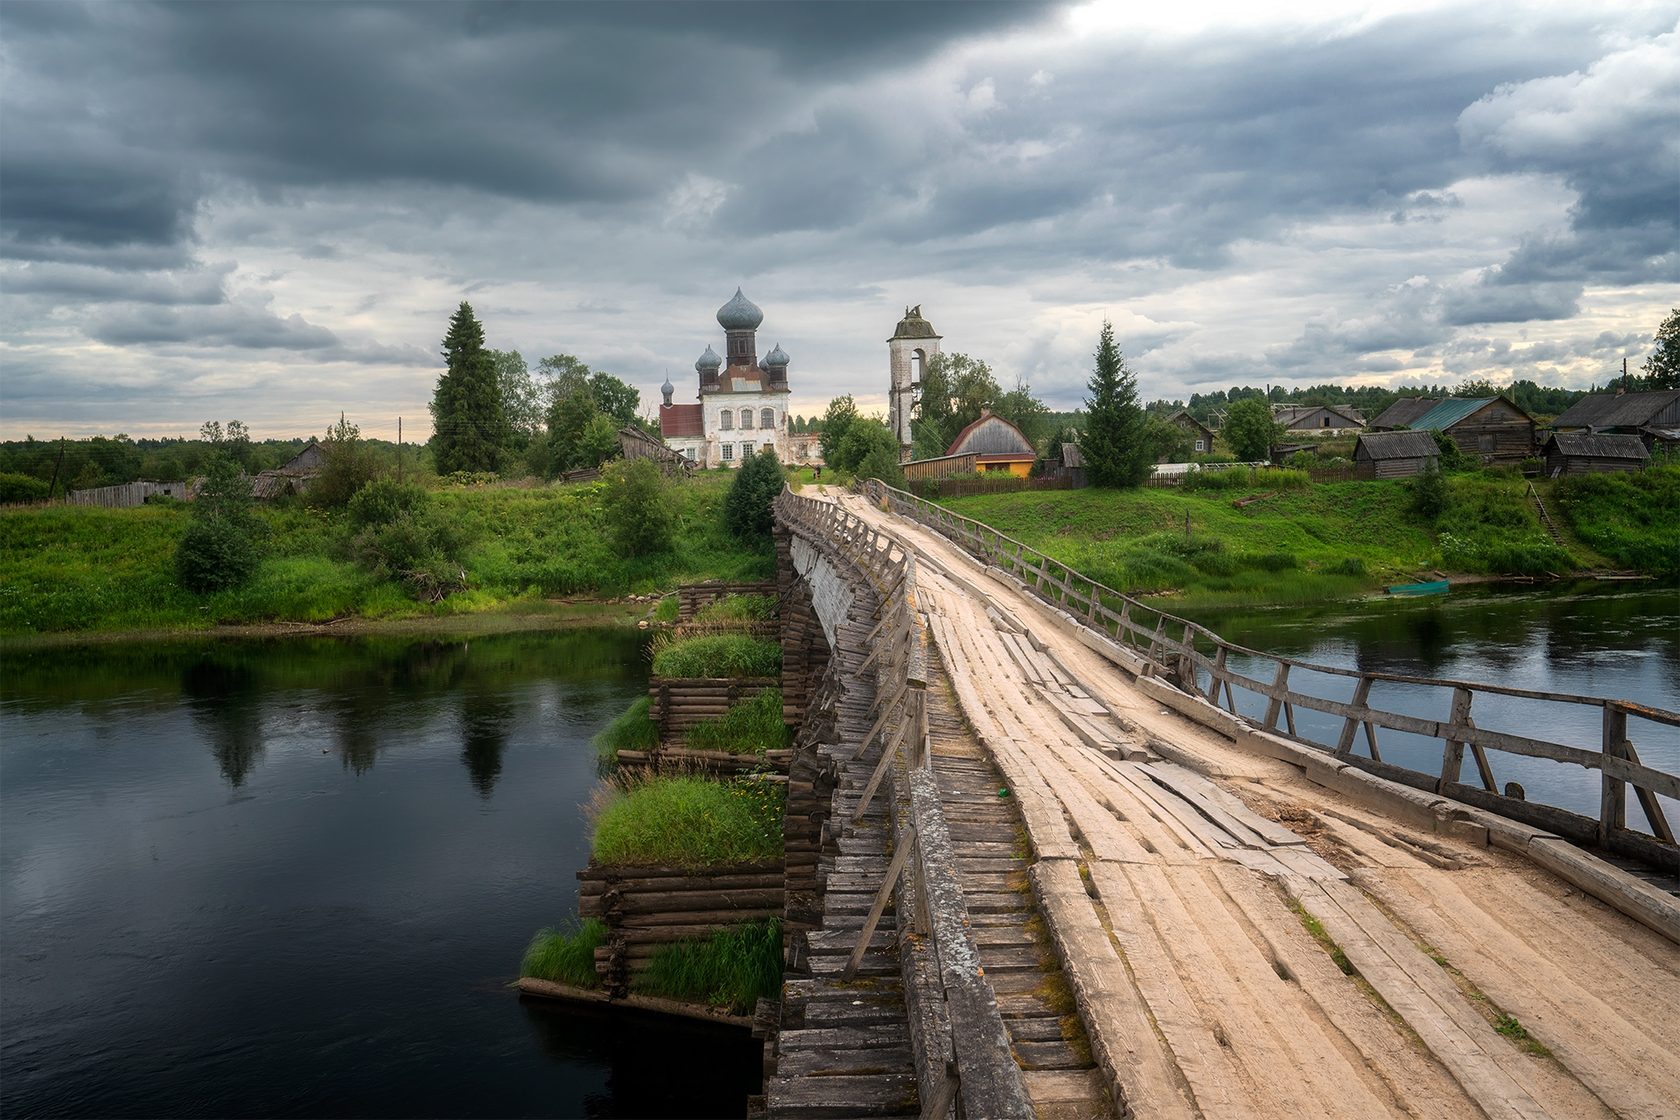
<point x="1274" y="707"/>
<point x="57" y="463"/>
<point x="1452" y="755"/>
<point x="1612" y="811"/>
<point x="399" y="451"/>
<point x="894" y="870"/>
<point x="1360" y="692"/>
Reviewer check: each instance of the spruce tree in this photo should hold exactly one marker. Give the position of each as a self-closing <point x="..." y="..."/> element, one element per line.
<point x="467" y="407"/>
<point x="1116" y="453"/>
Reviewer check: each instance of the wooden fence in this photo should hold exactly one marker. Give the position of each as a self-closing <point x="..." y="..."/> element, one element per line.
<point x="957" y="1034"/>
<point x="1200" y="661"/>
<point x="967" y="487"/>
<point x="646" y="909"/>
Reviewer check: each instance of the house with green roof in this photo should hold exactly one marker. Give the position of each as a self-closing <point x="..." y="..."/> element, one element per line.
<point x="1491" y="428"/>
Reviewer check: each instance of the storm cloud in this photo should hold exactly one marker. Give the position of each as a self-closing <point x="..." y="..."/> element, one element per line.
<point x="193" y="194"/>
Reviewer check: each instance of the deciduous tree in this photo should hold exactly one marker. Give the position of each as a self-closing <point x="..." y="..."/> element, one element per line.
<point x="1662" y="368"/>
<point x="1250" y="429"/>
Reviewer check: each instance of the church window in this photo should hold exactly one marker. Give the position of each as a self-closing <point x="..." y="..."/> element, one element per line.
<point x="727" y="419"/>
<point x="746" y="419"/>
<point x="728" y="450"/>
<point x="767" y="419"/>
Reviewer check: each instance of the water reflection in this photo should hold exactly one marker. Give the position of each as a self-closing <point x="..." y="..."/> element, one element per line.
<point x="486" y="715"/>
<point x="224" y="699"/>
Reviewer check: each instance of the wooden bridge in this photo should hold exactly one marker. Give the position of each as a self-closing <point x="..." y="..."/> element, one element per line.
<point x="1075" y="857"/>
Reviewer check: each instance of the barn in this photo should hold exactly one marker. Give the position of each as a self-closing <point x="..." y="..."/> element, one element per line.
<point x="1491" y="428"/>
<point x="998" y="446"/>
<point x="1592" y="453"/>
<point x="1394" y="454"/>
<point x="1652" y="416"/>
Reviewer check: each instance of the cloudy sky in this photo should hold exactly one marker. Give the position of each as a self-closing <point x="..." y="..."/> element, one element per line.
<point x="269" y="211"/>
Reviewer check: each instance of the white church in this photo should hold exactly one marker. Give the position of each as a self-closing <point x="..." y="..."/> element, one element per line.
<point x="743" y="401"/>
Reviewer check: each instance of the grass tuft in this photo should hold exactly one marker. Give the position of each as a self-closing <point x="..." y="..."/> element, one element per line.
<point x="734" y="968"/>
<point x="748" y="727"/>
<point x="566" y="956"/>
<point x="690" y="822"/>
<point x="716" y="655"/>
<point x="738" y="608"/>
<point x="632" y="731"/>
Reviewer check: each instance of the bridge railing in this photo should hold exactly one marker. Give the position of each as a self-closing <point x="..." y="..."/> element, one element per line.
<point x="957" y="1032"/>
<point x="1200" y="661"/>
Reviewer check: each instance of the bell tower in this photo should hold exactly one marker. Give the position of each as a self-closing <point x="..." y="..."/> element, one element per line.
<point x="910" y="348"/>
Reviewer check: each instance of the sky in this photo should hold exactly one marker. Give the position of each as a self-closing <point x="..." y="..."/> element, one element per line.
<point x="268" y="212"/>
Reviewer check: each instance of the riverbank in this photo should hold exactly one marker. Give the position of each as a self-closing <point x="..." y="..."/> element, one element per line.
<point x="1274" y="547"/>
<point x="85" y="570"/>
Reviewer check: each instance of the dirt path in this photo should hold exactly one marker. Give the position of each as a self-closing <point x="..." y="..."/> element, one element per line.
<point x="1245" y="943"/>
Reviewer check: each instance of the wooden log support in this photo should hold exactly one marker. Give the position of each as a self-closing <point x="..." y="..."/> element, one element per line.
<point x="906" y="845"/>
<point x="1612" y="813"/>
<point x="1647" y="799"/>
<point x="1274" y="707"/>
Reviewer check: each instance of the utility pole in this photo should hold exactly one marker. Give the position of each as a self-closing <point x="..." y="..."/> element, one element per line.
<point x="56" y="465"/>
<point x="399" y="451"/>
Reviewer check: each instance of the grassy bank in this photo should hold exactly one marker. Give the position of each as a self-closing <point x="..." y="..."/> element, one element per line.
<point x="690" y="822"/>
<point x="1296" y="545"/>
<point x="81" y="569"/>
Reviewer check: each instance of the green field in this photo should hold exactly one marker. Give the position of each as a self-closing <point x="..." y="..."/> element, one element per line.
<point x="82" y="569"/>
<point x="1296" y="545"/>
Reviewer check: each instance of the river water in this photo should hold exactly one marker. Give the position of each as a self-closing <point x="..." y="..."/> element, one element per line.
<point x="294" y="877"/>
<point x="1585" y="639"/>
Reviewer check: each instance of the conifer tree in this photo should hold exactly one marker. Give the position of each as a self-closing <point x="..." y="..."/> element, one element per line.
<point x="467" y="407"/>
<point x="1116" y="453"/>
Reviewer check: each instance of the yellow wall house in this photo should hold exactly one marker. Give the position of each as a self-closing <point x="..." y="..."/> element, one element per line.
<point x="998" y="446"/>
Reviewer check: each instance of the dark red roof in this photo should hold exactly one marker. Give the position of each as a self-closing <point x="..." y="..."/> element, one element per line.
<point x="681" y="420"/>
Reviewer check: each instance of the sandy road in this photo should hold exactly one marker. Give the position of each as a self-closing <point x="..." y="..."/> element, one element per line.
<point x="1246" y="943"/>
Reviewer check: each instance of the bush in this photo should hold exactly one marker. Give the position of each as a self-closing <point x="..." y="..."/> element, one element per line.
<point x="882" y="463"/>
<point x="384" y="500"/>
<point x="1429" y="493"/>
<point x="402" y="538"/>
<point x="734" y="968"/>
<point x="219" y="549"/>
<point x="746" y="511"/>
<point x="637" y="508"/>
<point x="866" y="438"/>
<point x="716" y="655"/>
<point x="566" y="956"/>
<point x="347" y="466"/>
<point x="691" y="823"/>
<point x="1346" y="566"/>
<point x="748" y="727"/>
<point x="21" y="487"/>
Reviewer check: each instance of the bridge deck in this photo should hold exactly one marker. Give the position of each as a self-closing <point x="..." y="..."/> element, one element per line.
<point x="1242" y="941"/>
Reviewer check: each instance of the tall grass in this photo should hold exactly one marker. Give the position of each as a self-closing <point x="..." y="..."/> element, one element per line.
<point x="1633" y="519"/>
<point x="1246" y="478"/>
<point x="738" y="608"/>
<point x="690" y="822"/>
<point x="1490" y="526"/>
<point x="716" y="655"/>
<point x="748" y="727"/>
<point x="566" y="956"/>
<point x="632" y="731"/>
<point x="734" y="968"/>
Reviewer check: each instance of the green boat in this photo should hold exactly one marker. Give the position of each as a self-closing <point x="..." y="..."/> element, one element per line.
<point x="1433" y="587"/>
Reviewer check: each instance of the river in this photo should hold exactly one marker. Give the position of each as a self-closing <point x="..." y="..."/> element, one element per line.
<point x="1585" y="639"/>
<point x="294" y="877"/>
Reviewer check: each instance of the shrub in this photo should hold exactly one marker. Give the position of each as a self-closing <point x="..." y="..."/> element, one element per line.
<point x="637" y="508"/>
<point x="403" y="538"/>
<point x="219" y="549"/>
<point x="716" y="655"/>
<point x="746" y="511"/>
<point x="691" y="822"/>
<point x="384" y="500"/>
<point x="566" y="956"/>
<point x="632" y="731"/>
<point x="1346" y="566"/>
<point x="1274" y="561"/>
<point x="865" y="436"/>
<point x="21" y="487"/>
<point x="1429" y="493"/>
<point x="748" y="727"/>
<point x="734" y="968"/>
<point x="347" y="466"/>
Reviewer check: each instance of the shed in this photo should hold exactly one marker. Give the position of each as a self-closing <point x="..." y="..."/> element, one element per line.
<point x="1201" y="436"/>
<point x="1592" y="453"/>
<point x="1651" y="416"/>
<point x="633" y="443"/>
<point x="1394" y="454"/>
<point x="293" y="476"/>
<point x="1490" y="427"/>
<point x="1317" y="418"/>
<point x="998" y="446"/>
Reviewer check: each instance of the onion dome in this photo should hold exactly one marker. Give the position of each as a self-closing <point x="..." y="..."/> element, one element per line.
<point x="667" y="389"/>
<point x="764" y="364"/>
<point x="739" y="314"/>
<point x="708" y="360"/>
<point x="777" y="358"/>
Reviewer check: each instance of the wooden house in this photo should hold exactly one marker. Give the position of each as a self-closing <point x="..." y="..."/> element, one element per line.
<point x="292" y="477"/>
<point x="1318" y="418"/>
<point x="1394" y="454"/>
<point x="1582" y="452"/>
<point x="1491" y="428"/>
<point x="1403" y="413"/>
<point x="1201" y="436"/>
<point x="633" y="443"/>
<point x="998" y="446"/>
<point x="1654" y="417"/>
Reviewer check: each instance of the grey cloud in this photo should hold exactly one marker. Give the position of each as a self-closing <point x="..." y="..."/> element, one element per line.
<point x="77" y="284"/>
<point x="1493" y="301"/>
<point x="242" y="327"/>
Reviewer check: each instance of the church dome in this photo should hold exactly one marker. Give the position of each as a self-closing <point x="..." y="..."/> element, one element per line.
<point x="667" y="389"/>
<point x="914" y="326"/>
<point x="739" y="314"/>
<point x="708" y="360"/>
<point x="777" y="357"/>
